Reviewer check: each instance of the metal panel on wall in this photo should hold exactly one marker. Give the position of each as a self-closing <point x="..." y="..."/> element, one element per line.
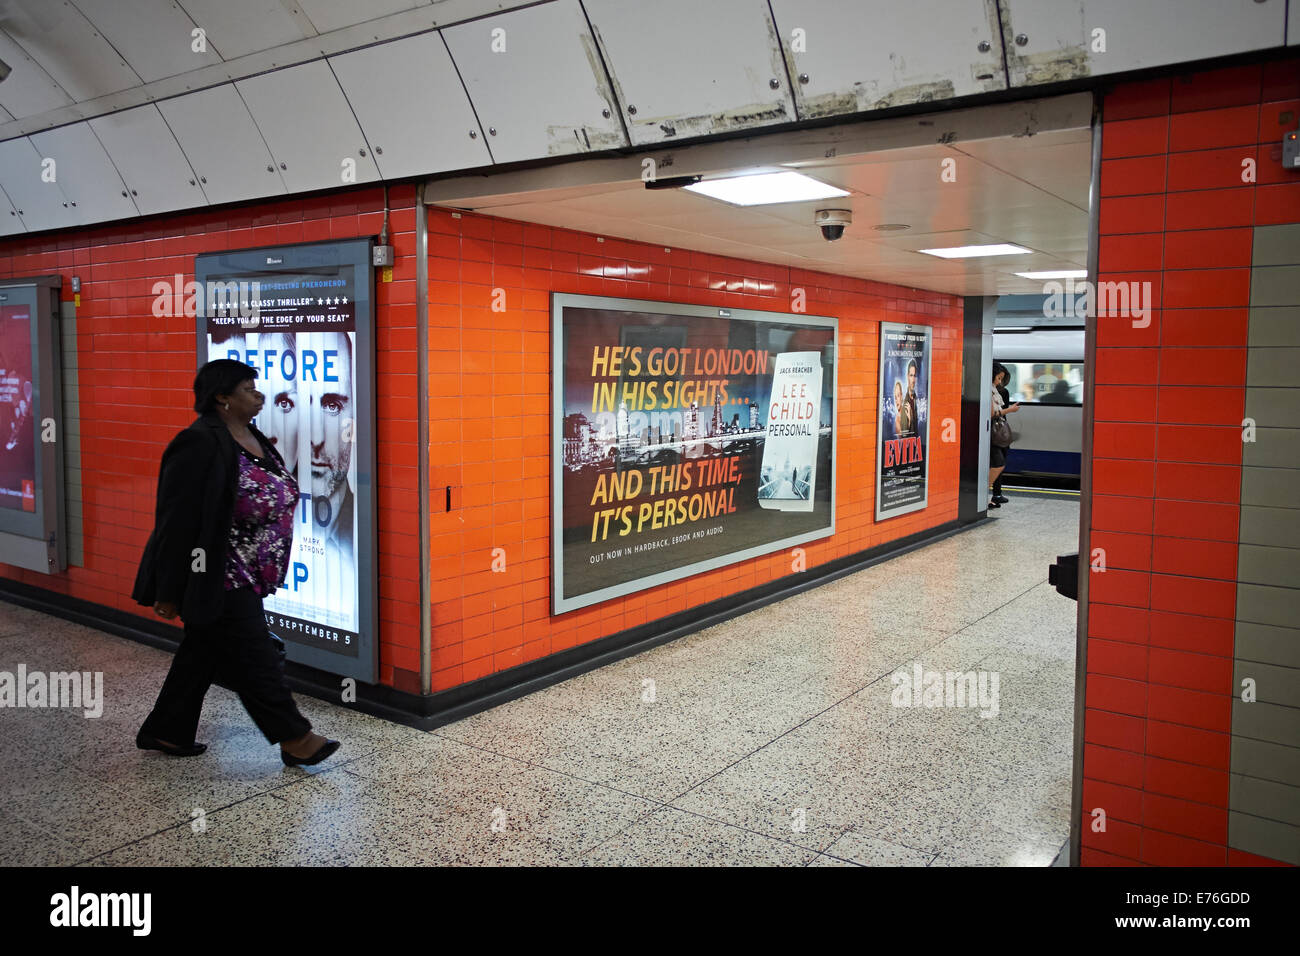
<point x="683" y="68"/>
<point x="306" y="121"/>
<point x="536" y="82"/>
<point x="432" y="133"/>
<point x="242" y="168"/>
<point x="85" y="172"/>
<point x="836" y="73"/>
<point x="1052" y="40"/>
<point x="145" y="152"/>
<point x="39" y="203"/>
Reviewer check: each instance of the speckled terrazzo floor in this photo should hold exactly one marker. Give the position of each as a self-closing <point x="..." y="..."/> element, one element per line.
<point x="771" y="740"/>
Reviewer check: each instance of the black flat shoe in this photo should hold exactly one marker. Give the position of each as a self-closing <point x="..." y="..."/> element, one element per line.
<point x="1001" y="499"/>
<point x="145" y="742"/>
<point x="323" y="751"/>
<point x="994" y="504"/>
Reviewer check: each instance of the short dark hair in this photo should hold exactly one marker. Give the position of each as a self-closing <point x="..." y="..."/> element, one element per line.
<point x="219" y="377"/>
<point x="912" y="365"/>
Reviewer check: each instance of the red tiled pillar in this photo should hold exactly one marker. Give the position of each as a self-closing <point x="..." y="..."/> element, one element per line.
<point x="1178" y="211"/>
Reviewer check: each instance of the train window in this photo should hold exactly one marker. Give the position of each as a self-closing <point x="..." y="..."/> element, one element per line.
<point x="1052" y="383"/>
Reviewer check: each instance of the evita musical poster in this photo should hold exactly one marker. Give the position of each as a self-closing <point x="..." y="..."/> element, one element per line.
<point x="903" y="452"/>
<point x="685" y="438"/>
<point x="303" y="341"/>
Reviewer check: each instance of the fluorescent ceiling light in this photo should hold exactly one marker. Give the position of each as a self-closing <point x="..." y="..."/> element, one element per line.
<point x="766" y="188"/>
<point x="1059" y="274"/>
<point x="1014" y="328"/>
<point x="970" y="252"/>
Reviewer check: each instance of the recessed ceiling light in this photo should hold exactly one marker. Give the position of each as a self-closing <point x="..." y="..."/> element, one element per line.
<point x="766" y="188"/>
<point x="970" y="252"/>
<point x="891" y="226"/>
<point x="1059" y="274"/>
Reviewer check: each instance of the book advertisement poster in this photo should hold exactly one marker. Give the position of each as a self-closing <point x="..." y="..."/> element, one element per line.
<point x="17" y="410"/>
<point x="685" y="438"/>
<point x="303" y="342"/>
<point x="903" y="445"/>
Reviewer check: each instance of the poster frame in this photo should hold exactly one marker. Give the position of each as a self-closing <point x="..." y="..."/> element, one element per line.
<point x="270" y="261"/>
<point x="929" y="415"/>
<point x="562" y="300"/>
<point x="37" y="540"/>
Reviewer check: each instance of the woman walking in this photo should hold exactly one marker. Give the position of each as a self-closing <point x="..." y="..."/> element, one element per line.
<point x="1000" y="377"/>
<point x="222" y="534"/>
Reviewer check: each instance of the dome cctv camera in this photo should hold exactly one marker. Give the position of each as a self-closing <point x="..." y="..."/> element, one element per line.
<point x="832" y="222"/>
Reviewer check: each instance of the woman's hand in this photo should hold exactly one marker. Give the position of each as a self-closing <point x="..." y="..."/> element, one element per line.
<point x="1013" y="407"/>
<point x="165" y="609"/>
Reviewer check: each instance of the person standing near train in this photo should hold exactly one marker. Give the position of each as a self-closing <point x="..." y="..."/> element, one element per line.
<point x="1002" y="406"/>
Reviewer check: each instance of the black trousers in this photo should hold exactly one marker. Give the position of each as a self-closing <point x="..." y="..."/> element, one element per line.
<point x="237" y="649"/>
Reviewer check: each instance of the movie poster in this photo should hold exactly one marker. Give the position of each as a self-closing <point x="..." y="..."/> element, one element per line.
<point x="902" y="460"/>
<point x="685" y="439"/>
<point x="302" y="342"/>
<point x="17" y="415"/>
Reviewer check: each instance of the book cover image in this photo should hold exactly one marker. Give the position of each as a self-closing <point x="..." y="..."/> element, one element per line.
<point x="788" y="475"/>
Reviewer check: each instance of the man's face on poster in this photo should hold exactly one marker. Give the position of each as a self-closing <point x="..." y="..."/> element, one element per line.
<point x="911" y="381"/>
<point x="280" y="417"/>
<point x="329" y="394"/>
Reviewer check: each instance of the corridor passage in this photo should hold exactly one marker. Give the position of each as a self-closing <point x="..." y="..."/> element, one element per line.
<point x="771" y="739"/>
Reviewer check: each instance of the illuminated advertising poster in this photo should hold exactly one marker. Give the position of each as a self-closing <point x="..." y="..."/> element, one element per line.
<point x="303" y="344"/>
<point x="903" y="444"/>
<point x="17" y="419"/>
<point x="685" y="438"/>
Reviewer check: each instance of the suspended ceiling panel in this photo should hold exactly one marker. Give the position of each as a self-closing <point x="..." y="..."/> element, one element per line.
<point x="545" y="93"/>
<point x="1013" y="191"/>
<point x="431" y="132"/>
<point x="327" y="15"/>
<point x="684" y="68"/>
<point x="153" y="36"/>
<point x="1061" y="38"/>
<point x="236" y="28"/>
<point x="68" y="47"/>
<point x="242" y="168"/>
<point x="39" y="204"/>
<point x="823" y="41"/>
<point x="307" y="123"/>
<point x="157" y="175"/>
<point x="28" y="90"/>
<point x="85" y="173"/>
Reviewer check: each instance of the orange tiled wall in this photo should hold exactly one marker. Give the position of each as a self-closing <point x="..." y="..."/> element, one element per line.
<point x="136" y="373"/>
<point x="1167" y="453"/>
<point x="489" y="410"/>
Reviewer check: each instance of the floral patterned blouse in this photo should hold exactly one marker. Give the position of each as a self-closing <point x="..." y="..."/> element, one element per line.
<point x="261" y="530"/>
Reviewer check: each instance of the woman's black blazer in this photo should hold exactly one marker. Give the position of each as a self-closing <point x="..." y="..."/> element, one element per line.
<point x="197" y="483"/>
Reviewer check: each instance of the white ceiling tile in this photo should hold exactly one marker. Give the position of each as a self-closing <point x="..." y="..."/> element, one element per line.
<point x="222" y="145"/>
<point x="149" y="160"/>
<point x="329" y="15"/>
<point x="10" y="224"/>
<point x="545" y="92"/>
<point x="154" y="36"/>
<point x="306" y="121"/>
<point x="431" y="133"/>
<point x="70" y="50"/>
<point x="691" y="68"/>
<point x="847" y="75"/>
<point x="85" y="173"/>
<point x="40" y="204"/>
<point x="236" y="29"/>
<point x="28" y="90"/>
